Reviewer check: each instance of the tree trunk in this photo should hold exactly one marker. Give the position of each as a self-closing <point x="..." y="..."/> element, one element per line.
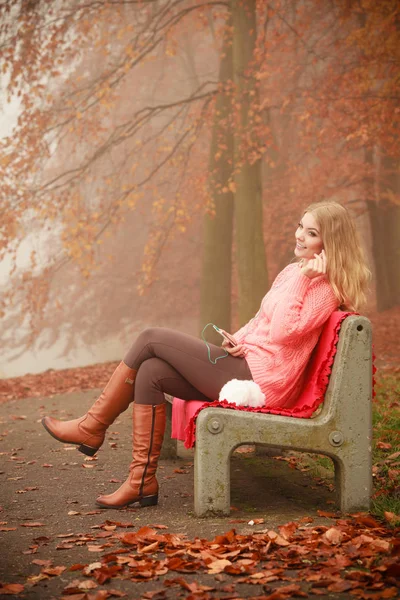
<point x="251" y="260"/>
<point x="215" y="301"/>
<point x="384" y="215"/>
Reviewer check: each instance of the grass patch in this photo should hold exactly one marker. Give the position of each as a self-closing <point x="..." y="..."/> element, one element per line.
<point x="325" y="462"/>
<point x="386" y="449"/>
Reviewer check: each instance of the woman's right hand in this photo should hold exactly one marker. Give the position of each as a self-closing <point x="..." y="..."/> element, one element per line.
<point x="238" y="351"/>
<point x="314" y="267"/>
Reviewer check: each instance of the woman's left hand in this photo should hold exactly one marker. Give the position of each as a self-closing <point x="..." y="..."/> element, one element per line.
<point x="233" y="350"/>
<point x="315" y="266"/>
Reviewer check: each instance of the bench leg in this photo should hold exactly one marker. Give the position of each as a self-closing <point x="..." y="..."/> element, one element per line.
<point x="212" y="488"/>
<point x="353" y="484"/>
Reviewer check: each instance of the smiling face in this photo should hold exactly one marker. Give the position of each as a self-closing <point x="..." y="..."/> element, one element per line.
<point x="308" y="237"/>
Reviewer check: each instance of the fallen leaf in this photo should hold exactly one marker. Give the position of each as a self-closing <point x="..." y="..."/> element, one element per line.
<point x="94" y="548"/>
<point x="76" y="567"/>
<point x="324" y="513"/>
<point x="366" y="520"/>
<point x="288" y="530"/>
<point x="148" y="549"/>
<point x="89" y="568"/>
<point x="42" y="562"/>
<point x="277" y="539"/>
<point x="218" y="566"/>
<point x="35" y="579"/>
<point x="380" y="545"/>
<point x="390" y="517"/>
<point x="394" y="455"/>
<point x="76" y="585"/>
<point x="11" y="588"/>
<point x="333" y="536"/>
<point x="292" y="590"/>
<point x="54" y="571"/>
<point x="32" y="550"/>
<point x="342" y="585"/>
<point x="383" y="445"/>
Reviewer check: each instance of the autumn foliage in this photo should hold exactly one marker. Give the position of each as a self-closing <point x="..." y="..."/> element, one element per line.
<point x="117" y="107"/>
<point x="353" y="555"/>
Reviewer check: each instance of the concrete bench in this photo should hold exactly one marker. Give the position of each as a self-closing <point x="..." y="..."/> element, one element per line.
<point x="342" y="430"/>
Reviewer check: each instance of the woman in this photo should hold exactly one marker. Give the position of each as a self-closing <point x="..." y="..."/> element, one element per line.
<point x="272" y="349"/>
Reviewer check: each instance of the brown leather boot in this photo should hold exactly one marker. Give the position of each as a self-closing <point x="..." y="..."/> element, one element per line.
<point x="89" y="431"/>
<point x="141" y="485"/>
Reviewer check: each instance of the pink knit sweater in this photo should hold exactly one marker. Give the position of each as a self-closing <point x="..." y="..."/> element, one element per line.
<point x="279" y="340"/>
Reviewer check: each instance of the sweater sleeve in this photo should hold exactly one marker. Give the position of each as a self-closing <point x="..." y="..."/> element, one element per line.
<point x="304" y="307"/>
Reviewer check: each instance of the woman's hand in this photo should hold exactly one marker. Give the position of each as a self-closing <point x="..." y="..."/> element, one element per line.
<point x="233" y="350"/>
<point x="315" y="266"/>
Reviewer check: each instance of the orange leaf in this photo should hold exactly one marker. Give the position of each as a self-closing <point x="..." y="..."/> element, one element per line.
<point x="11" y="588"/>
<point x="53" y="570"/>
<point x="288" y="530"/>
<point x="277" y="539"/>
<point x="217" y="566"/>
<point x="324" y="513"/>
<point x="384" y="446"/>
<point x="391" y="517"/>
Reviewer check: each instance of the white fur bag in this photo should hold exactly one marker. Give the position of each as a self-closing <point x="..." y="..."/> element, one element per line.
<point x="242" y="393"/>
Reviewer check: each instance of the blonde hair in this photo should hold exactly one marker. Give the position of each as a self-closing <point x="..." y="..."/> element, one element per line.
<point x="347" y="270"/>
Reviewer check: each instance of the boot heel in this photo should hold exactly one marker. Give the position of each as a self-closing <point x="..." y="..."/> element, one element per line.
<point x="149" y="500"/>
<point x="87" y="450"/>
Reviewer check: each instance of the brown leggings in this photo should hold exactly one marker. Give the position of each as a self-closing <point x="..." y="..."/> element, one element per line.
<point x="175" y="363"/>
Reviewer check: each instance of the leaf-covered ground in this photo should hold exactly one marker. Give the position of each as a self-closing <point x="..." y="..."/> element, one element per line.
<point x="283" y="538"/>
<point x="299" y="559"/>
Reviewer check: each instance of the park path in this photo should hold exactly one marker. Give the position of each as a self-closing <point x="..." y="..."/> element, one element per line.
<point x="48" y="513"/>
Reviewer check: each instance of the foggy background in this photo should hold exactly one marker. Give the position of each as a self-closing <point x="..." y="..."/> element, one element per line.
<point x="156" y="157"/>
